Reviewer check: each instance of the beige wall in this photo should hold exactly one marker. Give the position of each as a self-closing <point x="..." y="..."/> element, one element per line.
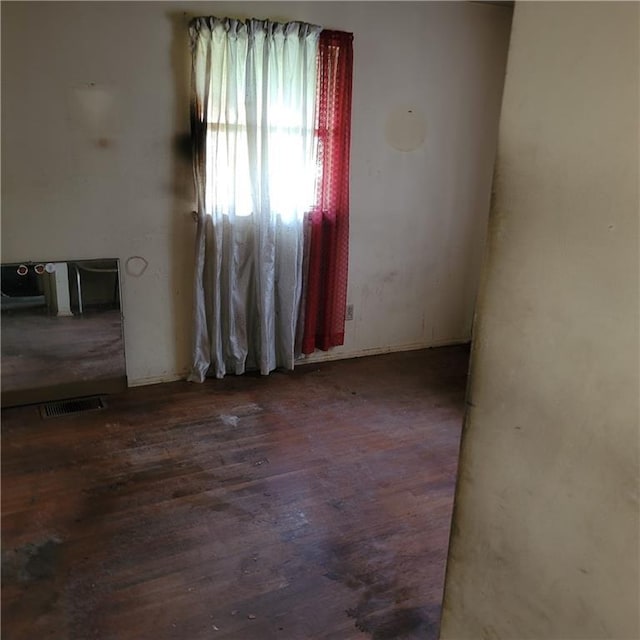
<point x="418" y="219"/>
<point x="545" y="541"/>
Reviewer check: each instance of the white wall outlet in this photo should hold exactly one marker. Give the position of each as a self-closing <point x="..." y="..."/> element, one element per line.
<point x="349" y="313"/>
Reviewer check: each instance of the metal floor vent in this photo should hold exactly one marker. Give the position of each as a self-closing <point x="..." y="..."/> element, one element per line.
<point x="76" y="405"/>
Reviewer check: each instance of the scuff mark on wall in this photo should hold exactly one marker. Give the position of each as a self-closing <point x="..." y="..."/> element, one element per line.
<point x="135" y="266"/>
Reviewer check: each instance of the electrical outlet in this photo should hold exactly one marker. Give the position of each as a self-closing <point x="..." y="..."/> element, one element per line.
<point x="349" y="313"/>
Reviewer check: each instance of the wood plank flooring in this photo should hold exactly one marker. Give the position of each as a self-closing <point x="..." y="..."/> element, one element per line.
<point x="313" y="504"/>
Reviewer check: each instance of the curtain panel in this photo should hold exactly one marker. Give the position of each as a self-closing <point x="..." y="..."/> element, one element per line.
<point x="252" y="123"/>
<point x="327" y="226"/>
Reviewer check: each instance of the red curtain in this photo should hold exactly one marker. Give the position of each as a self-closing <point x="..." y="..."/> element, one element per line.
<point x="325" y="294"/>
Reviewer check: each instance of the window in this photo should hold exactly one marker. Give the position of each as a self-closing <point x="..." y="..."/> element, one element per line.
<point x="270" y="123"/>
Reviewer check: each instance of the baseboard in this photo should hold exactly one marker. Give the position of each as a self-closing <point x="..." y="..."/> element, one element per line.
<point x="326" y="356"/>
<point x="170" y="377"/>
<point x="320" y="356"/>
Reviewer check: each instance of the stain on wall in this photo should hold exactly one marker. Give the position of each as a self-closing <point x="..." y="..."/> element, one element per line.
<point x="406" y="128"/>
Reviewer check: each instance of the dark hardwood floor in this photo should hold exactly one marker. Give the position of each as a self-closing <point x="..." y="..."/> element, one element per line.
<point x="313" y="504"/>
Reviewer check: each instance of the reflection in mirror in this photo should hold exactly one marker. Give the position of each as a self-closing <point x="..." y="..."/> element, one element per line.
<point x="61" y="330"/>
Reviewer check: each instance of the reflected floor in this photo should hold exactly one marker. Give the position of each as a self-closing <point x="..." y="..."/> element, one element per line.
<point x="41" y="350"/>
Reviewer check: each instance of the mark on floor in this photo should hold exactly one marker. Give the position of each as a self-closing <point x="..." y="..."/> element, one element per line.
<point x="42" y="560"/>
<point x="243" y="410"/>
<point x="32" y="561"/>
<point x="401" y="623"/>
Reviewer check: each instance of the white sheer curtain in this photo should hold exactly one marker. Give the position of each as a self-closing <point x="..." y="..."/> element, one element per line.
<point x="252" y="118"/>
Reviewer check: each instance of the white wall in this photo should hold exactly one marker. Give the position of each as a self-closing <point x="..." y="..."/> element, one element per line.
<point x="546" y="528"/>
<point x="418" y="219"/>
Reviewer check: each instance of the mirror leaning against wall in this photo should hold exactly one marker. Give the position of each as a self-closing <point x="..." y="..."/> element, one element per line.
<point x="62" y="331"/>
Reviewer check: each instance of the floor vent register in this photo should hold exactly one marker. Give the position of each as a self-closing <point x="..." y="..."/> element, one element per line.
<point x="68" y="407"/>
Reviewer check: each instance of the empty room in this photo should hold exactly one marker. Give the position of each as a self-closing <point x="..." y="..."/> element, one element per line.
<point x="319" y="320"/>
